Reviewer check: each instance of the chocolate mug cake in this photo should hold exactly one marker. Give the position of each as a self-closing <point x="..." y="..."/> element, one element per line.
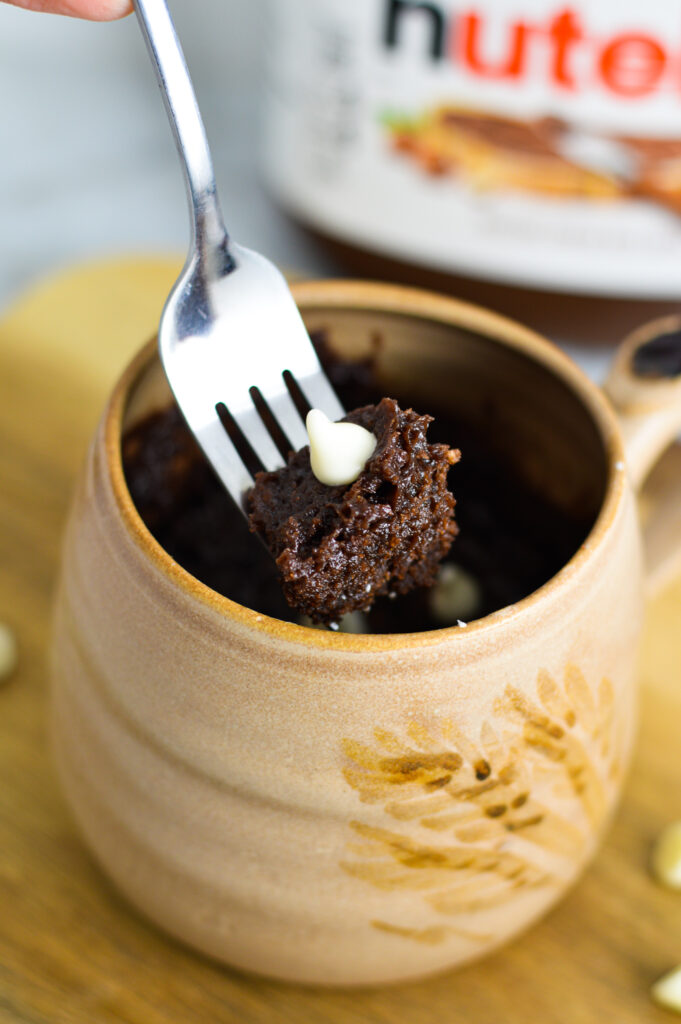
<point x="512" y="538"/>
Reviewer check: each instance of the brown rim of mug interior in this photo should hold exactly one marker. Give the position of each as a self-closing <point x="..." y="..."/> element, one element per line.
<point x="395" y="299"/>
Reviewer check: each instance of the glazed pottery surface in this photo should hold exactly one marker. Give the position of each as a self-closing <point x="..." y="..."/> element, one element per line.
<point x="352" y="809"/>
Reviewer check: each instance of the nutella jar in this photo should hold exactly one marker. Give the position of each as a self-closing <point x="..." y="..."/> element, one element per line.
<point x="524" y="153"/>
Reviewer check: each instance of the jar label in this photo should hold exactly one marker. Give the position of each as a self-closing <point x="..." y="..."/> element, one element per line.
<point x="531" y="142"/>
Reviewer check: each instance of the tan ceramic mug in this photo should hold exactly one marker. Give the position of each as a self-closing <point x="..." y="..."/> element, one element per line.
<point x="347" y="809"/>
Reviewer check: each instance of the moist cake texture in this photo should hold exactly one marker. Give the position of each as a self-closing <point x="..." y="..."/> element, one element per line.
<point x="339" y="548"/>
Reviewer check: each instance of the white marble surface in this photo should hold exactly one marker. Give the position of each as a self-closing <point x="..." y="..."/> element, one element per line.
<point x="88" y="163"/>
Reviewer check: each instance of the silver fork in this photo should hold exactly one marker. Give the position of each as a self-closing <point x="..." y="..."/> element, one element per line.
<point x="232" y="342"/>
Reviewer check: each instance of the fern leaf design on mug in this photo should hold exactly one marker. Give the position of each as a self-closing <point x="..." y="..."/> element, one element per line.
<point x="479" y="821"/>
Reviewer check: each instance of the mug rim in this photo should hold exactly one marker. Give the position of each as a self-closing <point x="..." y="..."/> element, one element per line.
<point x="405" y="301"/>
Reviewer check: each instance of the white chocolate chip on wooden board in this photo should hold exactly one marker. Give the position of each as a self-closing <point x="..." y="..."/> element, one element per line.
<point x="666" y="858"/>
<point x="667" y="991"/>
<point x="8" y="651"/>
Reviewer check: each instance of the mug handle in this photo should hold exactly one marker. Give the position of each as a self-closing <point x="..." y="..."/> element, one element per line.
<point x="644" y="385"/>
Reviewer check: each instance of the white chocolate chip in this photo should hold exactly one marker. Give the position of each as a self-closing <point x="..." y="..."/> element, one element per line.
<point x="8" y="652"/>
<point x="352" y="622"/>
<point x="667" y="991"/>
<point x="338" y="451"/>
<point x="666" y="859"/>
<point x="455" y="595"/>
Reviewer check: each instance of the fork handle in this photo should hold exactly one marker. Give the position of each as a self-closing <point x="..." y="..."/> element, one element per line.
<point x="209" y="235"/>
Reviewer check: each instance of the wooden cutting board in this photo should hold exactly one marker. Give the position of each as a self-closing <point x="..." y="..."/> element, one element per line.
<point x="71" y="950"/>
